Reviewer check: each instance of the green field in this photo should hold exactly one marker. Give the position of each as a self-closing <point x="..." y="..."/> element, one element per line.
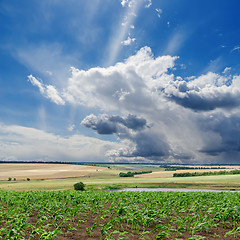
<point x="119" y="215"/>
<point x="105" y="182"/>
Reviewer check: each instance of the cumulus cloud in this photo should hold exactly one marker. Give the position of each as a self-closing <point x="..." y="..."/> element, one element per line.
<point x="141" y="140"/>
<point x="113" y="124"/>
<point x="102" y="126"/>
<point x="111" y="88"/>
<point x="205" y="93"/>
<point x="47" y="90"/>
<point x="156" y="114"/>
<point x="227" y="70"/>
<point x="128" y="41"/>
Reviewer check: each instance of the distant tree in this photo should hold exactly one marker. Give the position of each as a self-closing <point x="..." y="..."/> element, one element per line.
<point x="9" y="179"/>
<point x="79" y="186"/>
<point x="28" y="179"/>
<point x="14" y="179"/>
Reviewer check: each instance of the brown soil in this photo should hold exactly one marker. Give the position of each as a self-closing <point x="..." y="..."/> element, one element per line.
<point x="83" y="223"/>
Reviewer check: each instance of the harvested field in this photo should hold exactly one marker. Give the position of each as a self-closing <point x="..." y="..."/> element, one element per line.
<point x="46" y="171"/>
<point x="167" y="174"/>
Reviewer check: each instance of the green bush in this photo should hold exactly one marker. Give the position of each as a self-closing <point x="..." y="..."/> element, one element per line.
<point x="79" y="186"/>
<point x="28" y="179"/>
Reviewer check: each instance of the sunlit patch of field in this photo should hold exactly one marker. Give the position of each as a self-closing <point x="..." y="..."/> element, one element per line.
<point x="167" y="174"/>
<point x="46" y="171"/>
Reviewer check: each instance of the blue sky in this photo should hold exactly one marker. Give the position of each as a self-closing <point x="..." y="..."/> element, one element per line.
<point x="120" y="80"/>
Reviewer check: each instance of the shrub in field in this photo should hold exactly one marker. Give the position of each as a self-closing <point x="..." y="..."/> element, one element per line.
<point x="9" y="179"/>
<point x="79" y="186"/>
<point x="28" y="179"/>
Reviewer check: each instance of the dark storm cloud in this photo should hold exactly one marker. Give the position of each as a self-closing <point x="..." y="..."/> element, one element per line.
<point x="145" y="142"/>
<point x="150" y="145"/>
<point x="113" y="124"/>
<point x="131" y="122"/>
<point x="195" y="101"/>
<point x="102" y="126"/>
<point x="227" y="128"/>
<point x="204" y="93"/>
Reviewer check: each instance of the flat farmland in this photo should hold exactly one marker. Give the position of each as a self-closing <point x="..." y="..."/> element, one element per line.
<point x="46" y="171"/>
<point x="167" y="174"/>
<point x="102" y="177"/>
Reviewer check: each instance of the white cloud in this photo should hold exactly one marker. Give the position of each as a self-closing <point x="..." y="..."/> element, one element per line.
<point x="52" y="93"/>
<point x="128" y="41"/>
<point x="236" y="48"/>
<point x="127" y="3"/>
<point x="227" y="70"/>
<point x="47" y="90"/>
<point x="207" y="92"/>
<point x="24" y="143"/>
<point x="71" y="127"/>
<point x="148" y="4"/>
<point x="159" y="12"/>
<point x="37" y="83"/>
<point x="100" y="87"/>
<point x="124" y="2"/>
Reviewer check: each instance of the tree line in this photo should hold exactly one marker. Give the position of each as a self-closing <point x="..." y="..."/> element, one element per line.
<point x="175" y="168"/>
<point x="194" y="174"/>
<point x="131" y="174"/>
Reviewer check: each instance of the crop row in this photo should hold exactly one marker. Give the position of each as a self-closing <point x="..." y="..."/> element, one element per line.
<point x="119" y="215"/>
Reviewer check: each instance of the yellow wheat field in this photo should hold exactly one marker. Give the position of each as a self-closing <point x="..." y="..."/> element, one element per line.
<point x="45" y="171"/>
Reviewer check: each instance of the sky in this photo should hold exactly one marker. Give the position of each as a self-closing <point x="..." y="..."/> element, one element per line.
<point x="120" y="81"/>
